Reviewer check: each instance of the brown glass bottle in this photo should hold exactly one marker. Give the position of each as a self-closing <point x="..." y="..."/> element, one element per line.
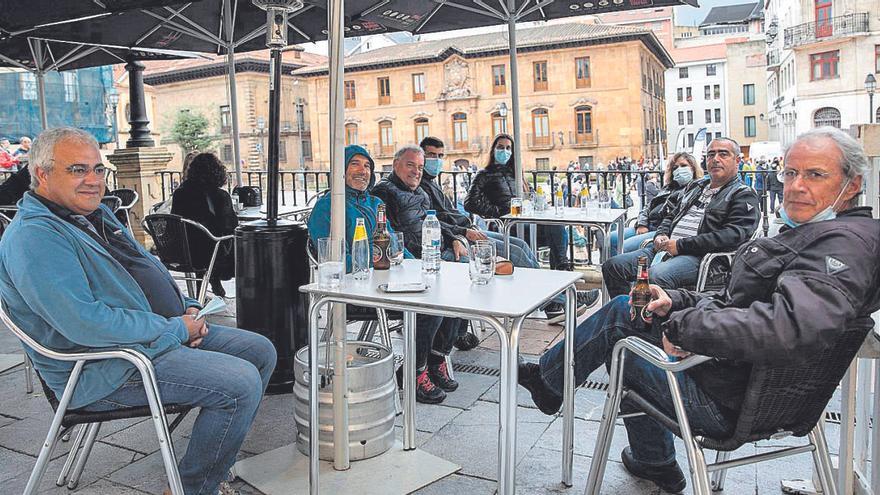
<point x="381" y="240"/>
<point x="641" y="294"/>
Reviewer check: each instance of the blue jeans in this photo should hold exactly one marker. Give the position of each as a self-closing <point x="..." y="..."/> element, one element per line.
<point x="634" y="243"/>
<point x="556" y="238"/>
<point x="226" y="377"/>
<point x="521" y="254"/>
<point x="677" y="272"/>
<point x="651" y="443"/>
<point x="627" y="233"/>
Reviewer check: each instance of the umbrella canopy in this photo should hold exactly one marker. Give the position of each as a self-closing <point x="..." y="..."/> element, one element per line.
<point x="47" y="54"/>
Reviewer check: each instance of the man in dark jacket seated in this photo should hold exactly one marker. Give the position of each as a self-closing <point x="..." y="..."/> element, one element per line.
<point x="786" y="301"/>
<point x="715" y="214"/>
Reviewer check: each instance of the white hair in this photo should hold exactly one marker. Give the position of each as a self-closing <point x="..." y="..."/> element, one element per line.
<point x="42" y="152"/>
<point x="854" y="161"/>
<point x="409" y="148"/>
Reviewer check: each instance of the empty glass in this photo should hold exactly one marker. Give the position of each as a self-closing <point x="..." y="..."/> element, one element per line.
<point x="395" y="248"/>
<point x="330" y="271"/>
<point x="603" y="199"/>
<point x="482" y="262"/>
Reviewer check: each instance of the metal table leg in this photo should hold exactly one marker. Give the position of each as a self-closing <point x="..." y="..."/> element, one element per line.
<point x="568" y="387"/>
<point x="409" y="380"/>
<point x="507" y="431"/>
<point x="316" y="304"/>
<point x="505" y="228"/>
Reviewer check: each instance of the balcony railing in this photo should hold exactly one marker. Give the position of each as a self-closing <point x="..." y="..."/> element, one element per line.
<point x="774" y="58"/>
<point x="383" y="150"/>
<point x="583" y="140"/>
<point x="827" y="29"/>
<point x="540" y="142"/>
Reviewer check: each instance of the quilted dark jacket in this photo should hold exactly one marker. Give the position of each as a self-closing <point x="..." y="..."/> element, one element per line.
<point x="406" y="209"/>
<point x="490" y="192"/>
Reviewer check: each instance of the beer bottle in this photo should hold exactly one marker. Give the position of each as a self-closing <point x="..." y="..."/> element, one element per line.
<point x="381" y="241"/>
<point x="640" y="295"/>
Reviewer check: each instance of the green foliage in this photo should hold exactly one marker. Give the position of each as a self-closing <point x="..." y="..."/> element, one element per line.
<point x="190" y="131"/>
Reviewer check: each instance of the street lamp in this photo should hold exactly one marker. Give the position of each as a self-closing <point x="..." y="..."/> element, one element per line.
<point x="870" y="86"/>
<point x="113" y="100"/>
<point x="300" y="124"/>
<point x="502" y="112"/>
<point x="260" y="131"/>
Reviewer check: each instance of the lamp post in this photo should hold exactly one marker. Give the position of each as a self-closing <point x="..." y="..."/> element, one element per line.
<point x="300" y="124"/>
<point x="502" y="112"/>
<point x="870" y="87"/>
<point x="260" y="131"/>
<point x="113" y="100"/>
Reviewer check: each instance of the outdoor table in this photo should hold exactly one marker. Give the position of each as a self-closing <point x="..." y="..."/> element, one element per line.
<point x="259" y="212"/>
<point x="604" y="219"/>
<point x="503" y="304"/>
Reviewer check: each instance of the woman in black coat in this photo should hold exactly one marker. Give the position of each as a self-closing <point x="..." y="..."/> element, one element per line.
<point x="200" y="198"/>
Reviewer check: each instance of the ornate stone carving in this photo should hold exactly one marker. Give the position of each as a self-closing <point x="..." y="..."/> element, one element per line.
<point x="539" y="104"/>
<point x="457" y="79"/>
<point x="585" y="101"/>
<point x="421" y="115"/>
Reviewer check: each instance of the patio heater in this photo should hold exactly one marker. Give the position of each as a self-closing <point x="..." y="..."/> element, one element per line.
<point x="269" y="254"/>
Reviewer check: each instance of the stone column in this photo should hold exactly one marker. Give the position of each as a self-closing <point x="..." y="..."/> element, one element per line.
<point x="137" y="163"/>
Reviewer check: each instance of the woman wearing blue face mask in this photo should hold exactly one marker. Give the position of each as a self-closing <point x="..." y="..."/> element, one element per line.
<point x="493" y="187"/>
<point x="681" y="170"/>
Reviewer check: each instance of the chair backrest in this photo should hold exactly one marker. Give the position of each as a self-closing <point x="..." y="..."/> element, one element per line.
<point x="128" y="197"/>
<point x="249" y="195"/>
<point x="4" y="223"/>
<point x="112" y="202"/>
<point x="170" y="236"/>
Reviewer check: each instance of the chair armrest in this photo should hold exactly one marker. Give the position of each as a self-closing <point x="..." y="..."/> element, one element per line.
<point x="206" y="231"/>
<point x="656" y="356"/>
<point x="494" y="221"/>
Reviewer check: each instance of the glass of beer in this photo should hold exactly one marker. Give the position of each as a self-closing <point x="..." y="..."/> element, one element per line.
<point x="515" y="207"/>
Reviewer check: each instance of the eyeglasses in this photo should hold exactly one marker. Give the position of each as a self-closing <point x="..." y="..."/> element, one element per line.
<point x="811" y="176"/>
<point x="719" y="153"/>
<point x="79" y="170"/>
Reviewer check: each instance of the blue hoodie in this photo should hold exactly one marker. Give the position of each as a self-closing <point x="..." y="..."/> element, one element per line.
<point x="69" y="294"/>
<point x="358" y="204"/>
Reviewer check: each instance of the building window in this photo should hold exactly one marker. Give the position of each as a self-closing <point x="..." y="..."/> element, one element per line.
<point x="717" y="135"/>
<point x="582" y="66"/>
<point x="711" y="70"/>
<point x="877" y="117"/>
<point x="708" y="116"/>
<point x="306" y="149"/>
<point x="690" y="115"/>
<point x="749" y="126"/>
<point x="679" y="94"/>
<point x="877" y="59"/>
<point x="824" y="65"/>
<point x="499" y="81"/>
<point x="583" y="117"/>
<point x="28" y="83"/>
<point x="351" y="134"/>
<point x="459" y="131"/>
<point x="688" y="95"/>
<point x="418" y="86"/>
<point x="691" y="140"/>
<point x="680" y="118"/>
<point x="682" y="72"/>
<point x="707" y="92"/>
<point x="827" y="116"/>
<point x="717" y="91"/>
<point x="225" y="118"/>
<point x="540" y="75"/>
<point x="226" y="153"/>
<point x="542" y="163"/>
<point x="748" y="94"/>
<point x="421" y="125"/>
<point x="823" y="19"/>
<point x="282" y="150"/>
<point x="384" y="91"/>
<point x="350" y="95"/>
<point x="499" y="124"/>
<point x="717" y="115"/>
<point x="386" y="137"/>
<point x="541" y="126"/>
<point x="71" y="87"/>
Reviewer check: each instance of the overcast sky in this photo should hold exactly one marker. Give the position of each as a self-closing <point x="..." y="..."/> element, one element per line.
<point x="689" y="16"/>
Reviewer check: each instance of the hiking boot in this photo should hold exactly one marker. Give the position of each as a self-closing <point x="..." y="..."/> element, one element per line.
<point x="426" y="391"/>
<point x="466" y="341"/>
<point x="668" y="477"/>
<point x="530" y="378"/>
<point x="439" y="375"/>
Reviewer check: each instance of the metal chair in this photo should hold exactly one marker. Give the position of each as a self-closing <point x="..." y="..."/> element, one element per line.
<point x="112" y="202"/>
<point x="28" y="366"/>
<point x="715" y="263"/>
<point x="779" y="402"/>
<point x="65" y="419"/>
<point x="171" y="234"/>
<point x="128" y="198"/>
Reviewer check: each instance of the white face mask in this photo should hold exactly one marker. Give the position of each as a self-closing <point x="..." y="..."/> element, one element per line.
<point x="683" y="175"/>
<point x="826" y="214"/>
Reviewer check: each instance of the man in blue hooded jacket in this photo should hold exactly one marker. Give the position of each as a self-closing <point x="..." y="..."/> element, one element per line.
<point x="432" y="332"/>
<point x="73" y="278"/>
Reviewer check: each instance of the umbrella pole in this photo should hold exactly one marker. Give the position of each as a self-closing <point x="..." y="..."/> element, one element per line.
<point x="514" y="96"/>
<point x="335" y="36"/>
<point x="41" y="88"/>
<point x="233" y="95"/>
<point x="274" y="134"/>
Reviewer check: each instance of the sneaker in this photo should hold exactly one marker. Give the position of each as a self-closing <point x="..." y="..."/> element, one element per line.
<point x="668" y="477"/>
<point x="426" y="391"/>
<point x="588" y="297"/>
<point x="466" y="342"/>
<point x="529" y="377"/>
<point x="226" y="489"/>
<point x="440" y="377"/>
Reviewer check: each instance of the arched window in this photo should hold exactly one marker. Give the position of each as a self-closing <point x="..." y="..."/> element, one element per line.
<point x="583" y="124"/>
<point x="351" y="134"/>
<point x="827" y="116"/>
<point x="459" y="131"/>
<point x="499" y="124"/>
<point x="421" y="125"/>
<point x="877" y="117"/>
<point x="386" y="138"/>
<point x="541" y="127"/>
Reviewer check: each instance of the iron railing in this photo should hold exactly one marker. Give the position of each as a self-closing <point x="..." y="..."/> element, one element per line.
<point x="826" y="29"/>
<point x="774" y="58"/>
<point x="111" y="178"/>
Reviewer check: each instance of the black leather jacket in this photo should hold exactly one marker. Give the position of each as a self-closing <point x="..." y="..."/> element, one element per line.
<point x="490" y="192"/>
<point x="786" y="300"/>
<point x="660" y="205"/>
<point x="450" y="217"/>
<point x="406" y="210"/>
<point x="731" y="217"/>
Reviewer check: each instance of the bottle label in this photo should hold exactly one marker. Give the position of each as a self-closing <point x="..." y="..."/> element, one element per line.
<point x="360" y="233"/>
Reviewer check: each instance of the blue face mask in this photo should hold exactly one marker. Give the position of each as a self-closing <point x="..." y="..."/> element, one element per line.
<point x="826" y="214"/>
<point x="683" y="175"/>
<point x="502" y="156"/>
<point x="433" y="166"/>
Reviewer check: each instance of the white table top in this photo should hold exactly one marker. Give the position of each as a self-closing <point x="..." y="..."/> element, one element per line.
<point x="258" y="212"/>
<point x="570" y="215"/>
<point x="452" y="291"/>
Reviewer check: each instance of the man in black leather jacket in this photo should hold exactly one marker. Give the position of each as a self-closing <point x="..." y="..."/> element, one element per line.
<point x="786" y="301"/>
<point x="715" y="214"/>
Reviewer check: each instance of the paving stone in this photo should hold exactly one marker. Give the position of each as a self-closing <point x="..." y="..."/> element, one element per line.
<point x="478" y="356"/>
<point x="421" y="436"/>
<point x="27" y="436"/>
<point x="459" y="484"/>
<point x="105" y="487"/>
<point x="588" y="403"/>
<point x="16" y="403"/>
<point x="103" y="460"/>
<point x="470" y="388"/>
<point x="540" y="472"/>
<point x="771" y="473"/>
<point x="431" y="417"/>
<point x="13" y="463"/>
<point x="6" y="421"/>
<point x="147" y="474"/>
<point x="274" y="425"/>
<point x="141" y="436"/>
<point x="585" y="432"/>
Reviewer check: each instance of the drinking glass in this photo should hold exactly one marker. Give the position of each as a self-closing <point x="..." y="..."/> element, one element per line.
<point x="395" y="248"/>
<point x="330" y="271"/>
<point x="516" y="207"/>
<point x="482" y="262"/>
<point x="604" y="200"/>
